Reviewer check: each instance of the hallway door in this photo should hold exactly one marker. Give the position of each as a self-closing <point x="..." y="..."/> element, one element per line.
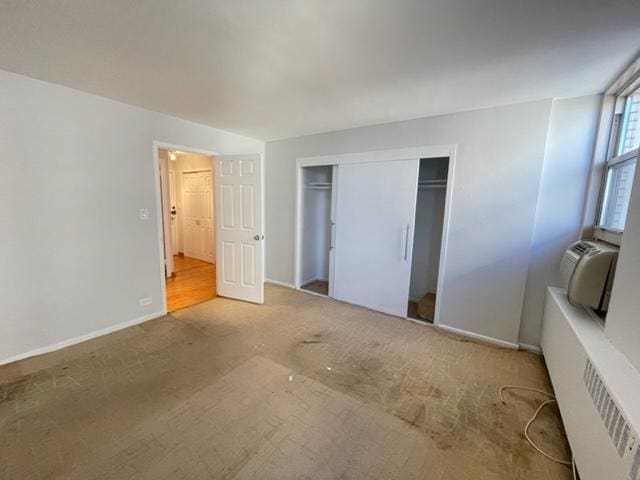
<point x="197" y="203"/>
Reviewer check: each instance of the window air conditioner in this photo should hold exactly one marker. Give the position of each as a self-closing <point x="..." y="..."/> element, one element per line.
<point x="587" y="270"/>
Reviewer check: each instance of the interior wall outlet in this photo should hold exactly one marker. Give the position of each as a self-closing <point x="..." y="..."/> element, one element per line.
<point x="144" y="214"/>
<point x="145" y="301"/>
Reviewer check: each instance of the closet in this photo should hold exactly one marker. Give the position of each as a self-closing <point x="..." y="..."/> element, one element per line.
<point x="370" y="230"/>
<point x="427" y="237"/>
<point x="317" y="228"/>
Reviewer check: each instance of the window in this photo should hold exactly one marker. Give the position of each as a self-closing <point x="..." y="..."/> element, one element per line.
<point x="616" y="194"/>
<point x="630" y="131"/>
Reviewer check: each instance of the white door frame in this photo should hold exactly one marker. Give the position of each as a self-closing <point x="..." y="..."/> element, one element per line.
<point x="157" y="145"/>
<point x="173" y="218"/>
<point x="426" y="151"/>
<point x="166" y="218"/>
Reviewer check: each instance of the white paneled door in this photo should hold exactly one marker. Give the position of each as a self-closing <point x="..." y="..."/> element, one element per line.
<point x="375" y="216"/>
<point x="197" y="203"/>
<point x="175" y="247"/>
<point x="239" y="220"/>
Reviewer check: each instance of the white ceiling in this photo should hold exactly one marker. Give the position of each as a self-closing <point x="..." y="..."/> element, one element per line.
<point x="279" y="68"/>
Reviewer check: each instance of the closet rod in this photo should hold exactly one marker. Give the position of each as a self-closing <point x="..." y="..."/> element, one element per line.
<point x="432" y="182"/>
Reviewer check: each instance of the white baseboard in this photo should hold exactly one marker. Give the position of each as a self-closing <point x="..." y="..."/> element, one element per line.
<point x="530" y="348"/>
<point x="464" y="333"/>
<point x="288" y="285"/>
<point x="309" y="292"/>
<point x="80" y="339"/>
<point x="417" y="321"/>
<point x="477" y="336"/>
<point x="277" y="282"/>
<point x="314" y="279"/>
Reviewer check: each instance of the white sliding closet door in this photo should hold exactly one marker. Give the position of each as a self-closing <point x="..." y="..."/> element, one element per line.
<point x="375" y="214"/>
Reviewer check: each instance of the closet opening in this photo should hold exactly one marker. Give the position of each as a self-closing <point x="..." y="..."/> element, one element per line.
<point x="427" y="238"/>
<point x="317" y="204"/>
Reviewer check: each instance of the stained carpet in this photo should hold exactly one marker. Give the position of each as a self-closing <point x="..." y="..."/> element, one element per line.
<point x="303" y="387"/>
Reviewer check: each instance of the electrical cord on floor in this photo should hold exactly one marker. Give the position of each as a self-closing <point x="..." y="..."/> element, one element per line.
<point x="526" y="434"/>
<point x="518" y="387"/>
<point x="571" y="463"/>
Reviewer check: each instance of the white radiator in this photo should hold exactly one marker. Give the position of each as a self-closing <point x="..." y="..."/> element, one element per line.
<point x="597" y="388"/>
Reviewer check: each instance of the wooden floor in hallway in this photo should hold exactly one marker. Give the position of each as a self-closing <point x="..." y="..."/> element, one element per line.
<point x="194" y="282"/>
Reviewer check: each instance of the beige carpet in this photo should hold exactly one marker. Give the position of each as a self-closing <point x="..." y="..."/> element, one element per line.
<point x="303" y="387"/>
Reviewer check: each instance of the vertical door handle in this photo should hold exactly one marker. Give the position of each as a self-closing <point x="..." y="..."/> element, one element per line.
<point x="332" y="235"/>
<point x="406" y="243"/>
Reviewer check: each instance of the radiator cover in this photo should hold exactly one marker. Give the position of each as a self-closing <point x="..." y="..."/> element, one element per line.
<point x="597" y="388"/>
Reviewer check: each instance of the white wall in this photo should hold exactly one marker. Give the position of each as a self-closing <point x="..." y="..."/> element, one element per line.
<point x="562" y="196"/>
<point x="623" y="319"/>
<point x="496" y="181"/>
<point x="77" y="168"/>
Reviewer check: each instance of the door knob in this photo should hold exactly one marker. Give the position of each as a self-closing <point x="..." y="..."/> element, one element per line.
<point x="256" y="237"/>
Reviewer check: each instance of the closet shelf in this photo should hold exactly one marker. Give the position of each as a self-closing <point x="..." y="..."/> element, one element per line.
<point x="318" y="185"/>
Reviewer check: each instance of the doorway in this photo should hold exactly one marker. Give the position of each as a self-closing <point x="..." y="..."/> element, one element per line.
<point x="186" y="180"/>
<point x="317" y="232"/>
<point x="427" y="238"/>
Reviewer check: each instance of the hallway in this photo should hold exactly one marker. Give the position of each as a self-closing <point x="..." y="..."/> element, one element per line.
<point x="194" y="282"/>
